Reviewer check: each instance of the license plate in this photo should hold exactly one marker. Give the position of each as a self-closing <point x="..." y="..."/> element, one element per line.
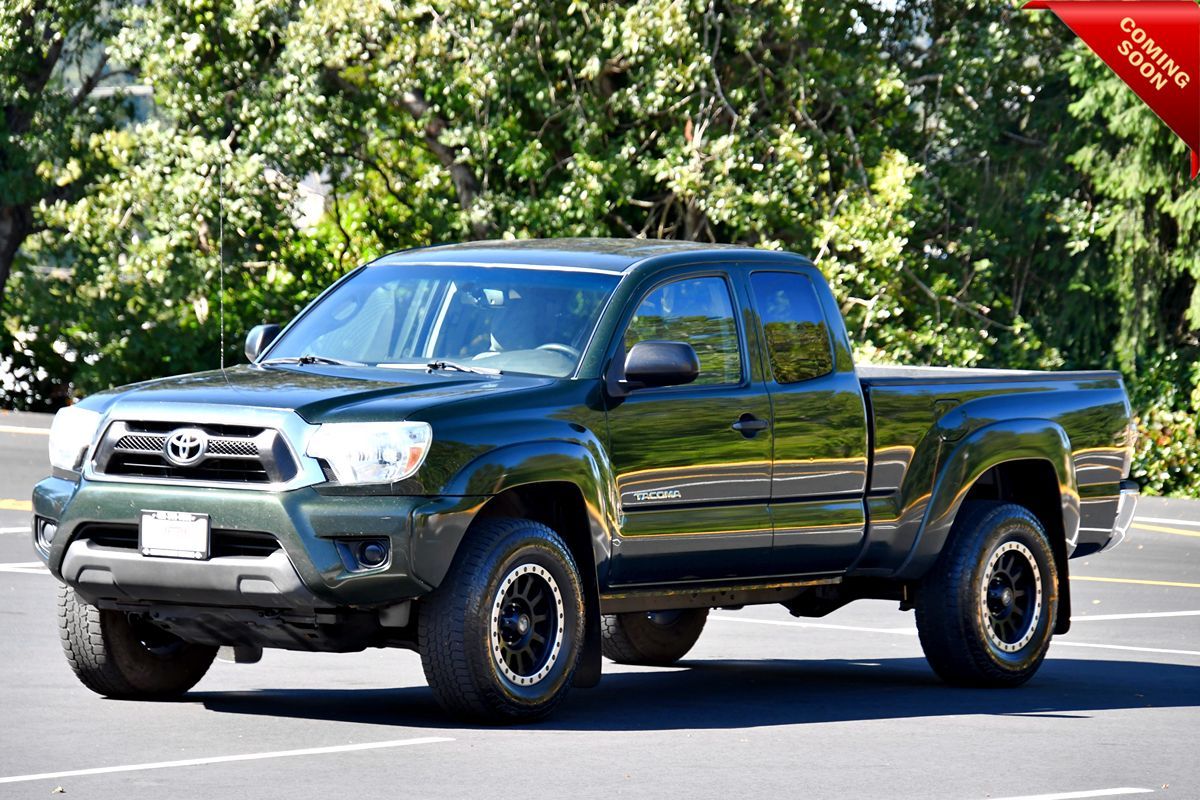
<point x="174" y="534"/>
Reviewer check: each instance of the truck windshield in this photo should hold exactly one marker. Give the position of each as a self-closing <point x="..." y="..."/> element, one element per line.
<point x="513" y="319"/>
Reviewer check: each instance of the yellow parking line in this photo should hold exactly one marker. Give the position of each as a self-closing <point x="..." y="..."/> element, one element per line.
<point x="1142" y="526"/>
<point x="24" y="429"/>
<point x="9" y="504"/>
<point x="1139" y="581"/>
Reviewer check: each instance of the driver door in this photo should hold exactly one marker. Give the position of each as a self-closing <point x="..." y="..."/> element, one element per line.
<point x="693" y="489"/>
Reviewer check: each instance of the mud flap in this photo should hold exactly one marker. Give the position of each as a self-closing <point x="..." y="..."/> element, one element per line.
<point x="587" y="674"/>
<point x="1062" y="622"/>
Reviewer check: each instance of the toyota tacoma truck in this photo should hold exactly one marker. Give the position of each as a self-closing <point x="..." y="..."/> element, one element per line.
<point x="516" y="457"/>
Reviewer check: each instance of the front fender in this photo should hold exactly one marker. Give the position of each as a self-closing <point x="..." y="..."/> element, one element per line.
<point x="439" y="526"/>
<point x="975" y="454"/>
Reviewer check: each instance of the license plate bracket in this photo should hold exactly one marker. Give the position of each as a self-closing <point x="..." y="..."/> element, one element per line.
<point x="174" y="534"/>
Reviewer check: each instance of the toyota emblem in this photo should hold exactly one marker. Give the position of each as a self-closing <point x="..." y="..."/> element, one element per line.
<point x="185" y="446"/>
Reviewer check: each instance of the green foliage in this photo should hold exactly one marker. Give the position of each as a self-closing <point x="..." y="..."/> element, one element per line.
<point x="1166" y="458"/>
<point x="1145" y="220"/>
<point x="45" y="127"/>
<point x="975" y="185"/>
<point x="51" y="61"/>
<point x="144" y="255"/>
<point x="134" y="288"/>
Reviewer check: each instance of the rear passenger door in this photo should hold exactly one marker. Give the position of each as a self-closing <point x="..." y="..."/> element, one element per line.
<point x="693" y="489"/>
<point x="820" y="424"/>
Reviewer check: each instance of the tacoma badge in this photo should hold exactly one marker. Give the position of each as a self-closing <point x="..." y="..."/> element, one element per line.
<point x="658" y="494"/>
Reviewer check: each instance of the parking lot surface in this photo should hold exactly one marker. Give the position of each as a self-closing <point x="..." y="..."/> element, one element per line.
<point x="842" y="706"/>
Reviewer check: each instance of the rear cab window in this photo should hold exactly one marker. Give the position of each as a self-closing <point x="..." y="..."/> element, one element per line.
<point x="796" y="334"/>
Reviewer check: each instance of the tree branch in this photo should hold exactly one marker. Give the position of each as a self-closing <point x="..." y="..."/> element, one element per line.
<point x="91" y="82"/>
<point x="465" y="183"/>
<point x="1026" y="140"/>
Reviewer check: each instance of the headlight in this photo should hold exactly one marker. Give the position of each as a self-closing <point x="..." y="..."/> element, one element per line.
<point x="371" y="452"/>
<point x="71" y="434"/>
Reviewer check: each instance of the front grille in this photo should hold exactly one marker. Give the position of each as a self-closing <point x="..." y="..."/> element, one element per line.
<point x="233" y="453"/>
<point x="222" y="542"/>
<point x="142" y="443"/>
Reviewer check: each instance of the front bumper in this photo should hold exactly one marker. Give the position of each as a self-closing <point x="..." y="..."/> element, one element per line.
<point x="307" y="573"/>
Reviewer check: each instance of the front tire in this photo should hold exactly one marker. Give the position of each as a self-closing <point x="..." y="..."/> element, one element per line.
<point x="986" y="611"/>
<point x="123" y="656"/>
<point x="501" y="638"/>
<point x="656" y="638"/>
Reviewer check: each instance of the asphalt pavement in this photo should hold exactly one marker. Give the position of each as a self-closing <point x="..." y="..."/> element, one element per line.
<point x="765" y="705"/>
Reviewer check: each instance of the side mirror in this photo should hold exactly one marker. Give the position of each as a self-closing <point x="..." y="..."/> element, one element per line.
<point x="653" y="364"/>
<point x="258" y="338"/>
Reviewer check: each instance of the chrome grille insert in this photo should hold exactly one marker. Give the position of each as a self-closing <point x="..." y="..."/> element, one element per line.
<point x="217" y="446"/>
<point x="149" y="444"/>
<point x="236" y="448"/>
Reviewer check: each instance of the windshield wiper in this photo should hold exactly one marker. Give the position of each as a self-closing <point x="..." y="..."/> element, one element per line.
<point x="433" y="366"/>
<point x="311" y="359"/>
<point x="449" y="366"/>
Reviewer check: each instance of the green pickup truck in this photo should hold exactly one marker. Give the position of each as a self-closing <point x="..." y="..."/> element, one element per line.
<point x="516" y="457"/>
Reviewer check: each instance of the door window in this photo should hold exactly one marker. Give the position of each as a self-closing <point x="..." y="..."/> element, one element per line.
<point x="797" y="338"/>
<point x="697" y="311"/>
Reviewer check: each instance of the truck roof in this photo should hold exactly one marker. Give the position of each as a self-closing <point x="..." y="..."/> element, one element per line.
<point x="609" y="255"/>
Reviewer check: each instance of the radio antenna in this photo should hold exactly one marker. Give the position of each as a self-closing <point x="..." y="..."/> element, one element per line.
<point x="221" y="245"/>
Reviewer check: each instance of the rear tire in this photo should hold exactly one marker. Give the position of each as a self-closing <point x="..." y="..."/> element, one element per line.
<point x="120" y="655"/>
<point x="987" y="609"/>
<point x="655" y="638"/>
<point x="501" y="637"/>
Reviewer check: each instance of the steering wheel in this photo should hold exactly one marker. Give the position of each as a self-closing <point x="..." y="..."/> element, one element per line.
<point x="561" y="349"/>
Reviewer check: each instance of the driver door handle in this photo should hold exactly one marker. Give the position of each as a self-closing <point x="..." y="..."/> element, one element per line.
<point x="749" y="425"/>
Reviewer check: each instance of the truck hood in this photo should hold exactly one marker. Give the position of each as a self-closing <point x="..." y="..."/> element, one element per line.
<point x="319" y="393"/>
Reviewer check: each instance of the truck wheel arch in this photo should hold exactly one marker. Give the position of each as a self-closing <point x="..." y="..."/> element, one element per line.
<point x="510" y="476"/>
<point x="1025" y="461"/>
<point x="557" y="483"/>
<point x="560" y="505"/>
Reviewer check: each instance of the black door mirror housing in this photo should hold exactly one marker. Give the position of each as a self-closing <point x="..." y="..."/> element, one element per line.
<point x="654" y="364"/>
<point x="258" y="338"/>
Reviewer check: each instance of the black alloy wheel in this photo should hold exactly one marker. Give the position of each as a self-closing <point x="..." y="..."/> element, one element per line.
<point x="527" y="624"/>
<point x="986" y="610"/>
<point x="502" y="635"/>
<point x="1011" y="596"/>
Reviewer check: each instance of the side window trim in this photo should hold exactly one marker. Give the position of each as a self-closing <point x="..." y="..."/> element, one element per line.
<point x="768" y="366"/>
<point x="617" y="346"/>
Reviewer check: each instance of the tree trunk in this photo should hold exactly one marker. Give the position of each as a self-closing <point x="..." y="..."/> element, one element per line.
<point x="16" y="223"/>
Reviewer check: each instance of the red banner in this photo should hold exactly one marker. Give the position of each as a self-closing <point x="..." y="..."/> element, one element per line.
<point x="1152" y="45"/>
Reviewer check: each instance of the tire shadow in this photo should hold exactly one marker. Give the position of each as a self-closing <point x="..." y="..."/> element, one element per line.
<point x="747" y="694"/>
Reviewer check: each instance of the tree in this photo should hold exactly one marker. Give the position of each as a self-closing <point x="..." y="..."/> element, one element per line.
<point x="1145" y="227"/>
<point x="52" y="60"/>
<point x="182" y="208"/>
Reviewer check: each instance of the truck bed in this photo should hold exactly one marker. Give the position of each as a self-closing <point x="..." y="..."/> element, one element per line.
<point x="921" y="416"/>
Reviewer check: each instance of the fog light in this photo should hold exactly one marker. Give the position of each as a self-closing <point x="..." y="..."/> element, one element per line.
<point x="364" y="555"/>
<point x="46" y="529"/>
<point x="372" y="554"/>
